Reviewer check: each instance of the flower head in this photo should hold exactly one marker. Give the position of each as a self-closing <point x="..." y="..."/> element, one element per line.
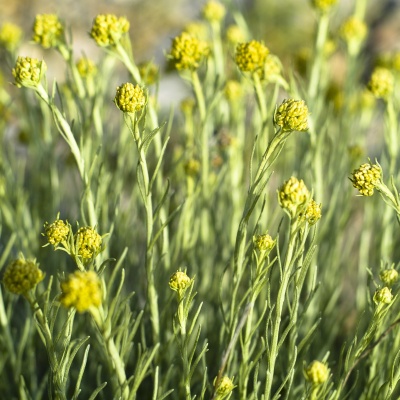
<point x="251" y="56"/>
<point x="81" y="290"/>
<point x="22" y="275"/>
<point x="214" y="11"/>
<point x="317" y="373"/>
<point x="87" y="242"/>
<point x="292" y="195"/>
<point x="56" y="232"/>
<point x="47" y="30"/>
<point x="292" y="115"/>
<point x="264" y="242"/>
<point x="353" y="32"/>
<point x="381" y="82"/>
<point x="149" y="72"/>
<point x="187" y="52"/>
<point x="10" y="36"/>
<point x="130" y="98"/>
<point x="86" y="68"/>
<point x="383" y="296"/>
<point x="313" y="212"/>
<point x="323" y="6"/>
<point x="179" y="282"/>
<point x="389" y="276"/>
<point x="235" y="34"/>
<point x="224" y="388"/>
<point x="108" y="29"/>
<point x="28" y="71"/>
<point x="192" y="167"/>
<point x="233" y="90"/>
<point x="366" y="178"/>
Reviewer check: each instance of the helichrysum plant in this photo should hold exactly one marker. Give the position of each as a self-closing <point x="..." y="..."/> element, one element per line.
<point x="238" y="244"/>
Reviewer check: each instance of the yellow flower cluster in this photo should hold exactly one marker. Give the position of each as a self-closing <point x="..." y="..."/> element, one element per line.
<point x="179" y="282"/>
<point x="214" y="11"/>
<point x="313" y="212"/>
<point x="366" y="178"/>
<point x="383" y="296"/>
<point x="56" y="232"/>
<point x="108" y="29"/>
<point x="28" y="71"/>
<point x="10" y="36"/>
<point x="381" y="82"/>
<point x="251" y="56"/>
<point x="47" y="30"/>
<point x="81" y="290"/>
<point x="130" y="98"/>
<point x="235" y="34"/>
<point x="389" y="276"/>
<point x="86" y="68"/>
<point x="149" y="72"/>
<point x="323" y="5"/>
<point x="353" y="31"/>
<point x="87" y="242"/>
<point x="292" y="195"/>
<point x="317" y="373"/>
<point x="263" y="242"/>
<point x="272" y="68"/>
<point x="292" y="115"/>
<point x="22" y="275"/>
<point x="187" y="52"/>
<point x="192" y="167"/>
<point x="225" y="387"/>
<point x="233" y="90"/>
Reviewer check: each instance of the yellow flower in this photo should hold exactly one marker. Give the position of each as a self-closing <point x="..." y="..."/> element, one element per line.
<point x="353" y="32"/>
<point x="179" y="282"/>
<point x="225" y="387"/>
<point x="292" y="195"/>
<point x="263" y="242"/>
<point x="130" y="98"/>
<point x="28" y="71"/>
<point x="47" y="30"/>
<point x="381" y="82"/>
<point x="10" y="36"/>
<point x="187" y="52"/>
<point x="56" y="232"/>
<point x="197" y="29"/>
<point x="87" y="242"/>
<point x="317" y="373"/>
<point x="389" y="276"/>
<point x="22" y="275"/>
<point x="251" y="56"/>
<point x="272" y="69"/>
<point x="149" y="73"/>
<point x="81" y="290"/>
<point x="323" y="5"/>
<point x="383" y="296"/>
<point x="313" y="212"/>
<point x="108" y="29"/>
<point x="233" y="90"/>
<point x="366" y="178"/>
<point x="235" y="34"/>
<point x="187" y="105"/>
<point x="86" y="68"/>
<point x="214" y="11"/>
<point x="292" y="115"/>
<point x="192" y="167"/>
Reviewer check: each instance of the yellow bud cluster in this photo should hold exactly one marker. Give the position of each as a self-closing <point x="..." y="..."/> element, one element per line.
<point x="214" y="11"/>
<point x="22" y="275"/>
<point x="323" y="6"/>
<point x="86" y="68"/>
<point x="353" y="31"/>
<point x="224" y="388"/>
<point x="389" y="276"/>
<point x="87" y="242"/>
<point x="235" y="34"/>
<point x="28" y="71"/>
<point x="263" y="242"/>
<point x="179" y="282"/>
<point x="292" y="195"/>
<point x="81" y="290"/>
<point x="233" y="90"/>
<point x="108" y="29"/>
<point x="383" y="296"/>
<point x="10" y="36"/>
<point x="56" y="232"/>
<point x="47" y="30"/>
<point x="381" y="82"/>
<point x="292" y="115"/>
<point x="251" y="56"/>
<point x="130" y="98"/>
<point x="313" y="212"/>
<point x="366" y="178"/>
<point x="187" y="52"/>
<point x="317" y="373"/>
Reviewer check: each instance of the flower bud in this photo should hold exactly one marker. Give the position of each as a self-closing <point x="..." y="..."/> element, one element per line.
<point x="28" y="71"/>
<point x="366" y="178"/>
<point x="317" y="373"/>
<point x="130" y="98"/>
<point x="292" y="115"/>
